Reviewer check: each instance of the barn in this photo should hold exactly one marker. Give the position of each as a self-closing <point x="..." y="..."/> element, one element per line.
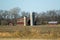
<point x="21" y="20"/>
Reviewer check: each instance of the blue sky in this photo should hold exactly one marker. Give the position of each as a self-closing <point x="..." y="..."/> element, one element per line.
<point x="30" y="5"/>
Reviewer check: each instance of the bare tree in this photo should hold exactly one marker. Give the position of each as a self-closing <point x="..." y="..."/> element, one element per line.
<point x="14" y="14"/>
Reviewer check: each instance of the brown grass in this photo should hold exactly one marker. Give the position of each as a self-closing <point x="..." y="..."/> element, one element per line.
<point x="41" y="31"/>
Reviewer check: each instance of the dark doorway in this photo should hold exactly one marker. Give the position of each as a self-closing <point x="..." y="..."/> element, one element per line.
<point x="29" y="22"/>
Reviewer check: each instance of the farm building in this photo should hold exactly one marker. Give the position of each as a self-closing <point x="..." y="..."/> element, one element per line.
<point x="53" y="22"/>
<point x="21" y="20"/>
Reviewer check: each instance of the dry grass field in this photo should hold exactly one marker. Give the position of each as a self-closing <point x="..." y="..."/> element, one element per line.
<point x="30" y="32"/>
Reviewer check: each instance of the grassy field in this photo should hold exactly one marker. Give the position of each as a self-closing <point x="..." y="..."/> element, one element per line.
<point x="30" y="32"/>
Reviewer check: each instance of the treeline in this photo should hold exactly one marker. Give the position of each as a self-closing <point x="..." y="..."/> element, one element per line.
<point x="10" y="16"/>
<point x="45" y="17"/>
